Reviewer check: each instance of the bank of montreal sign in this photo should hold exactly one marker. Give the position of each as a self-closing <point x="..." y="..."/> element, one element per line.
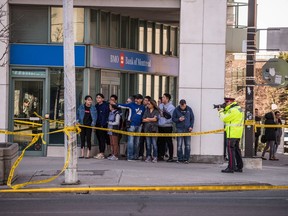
<point x="132" y="61"/>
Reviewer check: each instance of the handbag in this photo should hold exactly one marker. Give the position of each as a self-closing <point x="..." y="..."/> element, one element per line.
<point x="263" y="138"/>
<point x="166" y="114"/>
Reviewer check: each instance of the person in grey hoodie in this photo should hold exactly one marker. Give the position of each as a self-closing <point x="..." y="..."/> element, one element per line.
<point x="183" y="117"/>
<point x="165" y="125"/>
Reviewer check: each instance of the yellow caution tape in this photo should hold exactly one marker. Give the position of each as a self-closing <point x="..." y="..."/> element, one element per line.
<point x="77" y="129"/>
<point x="28" y="122"/>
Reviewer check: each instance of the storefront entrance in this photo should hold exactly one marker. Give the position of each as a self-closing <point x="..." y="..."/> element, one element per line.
<point x="28" y="100"/>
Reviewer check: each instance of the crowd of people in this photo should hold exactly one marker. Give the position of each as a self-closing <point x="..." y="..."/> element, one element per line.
<point x="138" y="114"/>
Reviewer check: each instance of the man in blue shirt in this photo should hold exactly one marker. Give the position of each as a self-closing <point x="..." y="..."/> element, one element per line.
<point x="136" y="111"/>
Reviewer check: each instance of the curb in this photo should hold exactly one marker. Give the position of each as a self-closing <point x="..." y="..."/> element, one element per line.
<point x="149" y="188"/>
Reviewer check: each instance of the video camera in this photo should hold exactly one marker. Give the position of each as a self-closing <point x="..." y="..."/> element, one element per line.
<point x="216" y="106"/>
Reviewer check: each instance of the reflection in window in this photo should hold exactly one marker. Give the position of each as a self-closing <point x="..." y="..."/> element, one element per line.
<point x="157" y="39"/>
<point x="124" y="32"/>
<point x="104" y="28"/>
<point x="156" y="87"/>
<point x="140" y="84"/>
<point x="57" y="101"/>
<point x="114" y="34"/>
<point x="141" y="36"/>
<point x="148" y="85"/>
<point x="57" y="25"/>
<point x="149" y="37"/>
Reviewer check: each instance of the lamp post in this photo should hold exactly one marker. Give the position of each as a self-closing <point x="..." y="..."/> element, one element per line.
<point x="250" y="80"/>
<point x="71" y="176"/>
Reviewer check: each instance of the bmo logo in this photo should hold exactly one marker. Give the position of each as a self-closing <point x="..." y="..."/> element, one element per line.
<point x="118" y="59"/>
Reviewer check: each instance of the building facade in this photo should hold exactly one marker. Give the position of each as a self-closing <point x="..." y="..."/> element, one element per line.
<point x="122" y="47"/>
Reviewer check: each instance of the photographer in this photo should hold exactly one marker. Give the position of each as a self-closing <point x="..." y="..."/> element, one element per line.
<point x="232" y="116"/>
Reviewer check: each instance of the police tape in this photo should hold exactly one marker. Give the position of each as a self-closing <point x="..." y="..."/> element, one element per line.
<point x="77" y="129"/>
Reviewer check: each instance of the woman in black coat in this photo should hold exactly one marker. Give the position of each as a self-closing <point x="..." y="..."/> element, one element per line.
<point x="270" y="134"/>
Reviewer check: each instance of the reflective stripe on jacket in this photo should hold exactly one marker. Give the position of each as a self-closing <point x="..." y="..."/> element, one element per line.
<point x="233" y="118"/>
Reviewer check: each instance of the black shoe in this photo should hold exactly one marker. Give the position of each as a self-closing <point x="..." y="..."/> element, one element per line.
<point x="170" y="160"/>
<point x="160" y="158"/>
<point x="238" y="170"/>
<point x="227" y="170"/>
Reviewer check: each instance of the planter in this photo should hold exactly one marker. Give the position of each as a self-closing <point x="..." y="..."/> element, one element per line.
<point x="8" y="155"/>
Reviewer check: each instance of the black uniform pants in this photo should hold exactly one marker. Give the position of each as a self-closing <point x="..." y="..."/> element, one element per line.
<point x="234" y="154"/>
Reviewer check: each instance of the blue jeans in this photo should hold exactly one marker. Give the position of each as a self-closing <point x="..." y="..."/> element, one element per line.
<point x="151" y="141"/>
<point x="133" y="143"/>
<point x="187" y="147"/>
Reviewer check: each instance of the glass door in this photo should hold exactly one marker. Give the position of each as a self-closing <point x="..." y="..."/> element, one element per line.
<point x="28" y="100"/>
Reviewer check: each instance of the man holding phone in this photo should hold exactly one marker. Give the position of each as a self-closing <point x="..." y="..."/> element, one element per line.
<point x="183" y="117"/>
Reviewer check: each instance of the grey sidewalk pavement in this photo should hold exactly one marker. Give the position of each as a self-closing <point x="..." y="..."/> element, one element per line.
<point x="94" y="173"/>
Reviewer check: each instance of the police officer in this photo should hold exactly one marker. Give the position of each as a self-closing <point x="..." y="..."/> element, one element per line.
<point x="232" y="116"/>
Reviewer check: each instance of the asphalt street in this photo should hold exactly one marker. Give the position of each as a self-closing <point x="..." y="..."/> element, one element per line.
<point x="254" y="203"/>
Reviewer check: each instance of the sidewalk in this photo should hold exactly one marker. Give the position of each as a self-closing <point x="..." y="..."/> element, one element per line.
<point x="100" y="173"/>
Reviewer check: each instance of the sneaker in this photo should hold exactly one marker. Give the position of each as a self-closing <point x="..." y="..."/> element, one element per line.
<point x="114" y="158"/>
<point x="154" y="160"/>
<point x="109" y="157"/>
<point x="227" y="170"/>
<point x="148" y="159"/>
<point x="263" y="158"/>
<point x="130" y="160"/>
<point x="140" y="158"/>
<point x="99" y="156"/>
<point x="186" y="162"/>
<point x="170" y="160"/>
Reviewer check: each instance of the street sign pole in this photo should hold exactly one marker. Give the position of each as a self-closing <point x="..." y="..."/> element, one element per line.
<point x="71" y="176"/>
<point x="250" y="80"/>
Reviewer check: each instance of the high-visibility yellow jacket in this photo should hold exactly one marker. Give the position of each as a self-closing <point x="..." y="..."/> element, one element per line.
<point x="233" y="118"/>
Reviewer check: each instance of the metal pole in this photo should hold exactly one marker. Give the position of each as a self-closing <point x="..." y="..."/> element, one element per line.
<point x="71" y="176"/>
<point x="250" y="82"/>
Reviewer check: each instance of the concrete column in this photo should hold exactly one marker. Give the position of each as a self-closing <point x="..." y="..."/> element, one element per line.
<point x="4" y="69"/>
<point x="201" y="71"/>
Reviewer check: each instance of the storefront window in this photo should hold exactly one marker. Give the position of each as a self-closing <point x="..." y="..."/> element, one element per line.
<point x="57" y="25"/>
<point x="104" y="28"/>
<point x="114" y="33"/>
<point x="156" y="87"/>
<point x="157" y="39"/>
<point x="124" y="32"/>
<point x="141" y="36"/>
<point x="94" y="35"/>
<point x="148" y="85"/>
<point x="164" y="83"/>
<point x="134" y="34"/>
<point x="149" y="37"/>
<point x="165" y="40"/>
<point x="140" y="84"/>
<point x="173" y="41"/>
<point x="57" y="101"/>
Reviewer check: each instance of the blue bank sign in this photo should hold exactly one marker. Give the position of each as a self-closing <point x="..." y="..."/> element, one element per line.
<point x="44" y="55"/>
<point x="133" y="61"/>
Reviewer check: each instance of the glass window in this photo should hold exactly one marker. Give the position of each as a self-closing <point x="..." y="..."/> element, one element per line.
<point x="57" y="101"/>
<point x="140" y="83"/>
<point x="165" y="40"/>
<point x="134" y="34"/>
<point x="57" y="25"/>
<point x="114" y="33"/>
<point x="94" y="34"/>
<point x="141" y="36"/>
<point x="173" y="38"/>
<point x="164" y="83"/>
<point x="157" y="39"/>
<point x="148" y="85"/>
<point x="156" y="87"/>
<point x="124" y="32"/>
<point x="149" y="37"/>
<point x="104" y="28"/>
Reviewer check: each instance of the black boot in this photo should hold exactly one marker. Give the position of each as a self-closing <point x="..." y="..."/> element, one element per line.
<point x="227" y="170"/>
